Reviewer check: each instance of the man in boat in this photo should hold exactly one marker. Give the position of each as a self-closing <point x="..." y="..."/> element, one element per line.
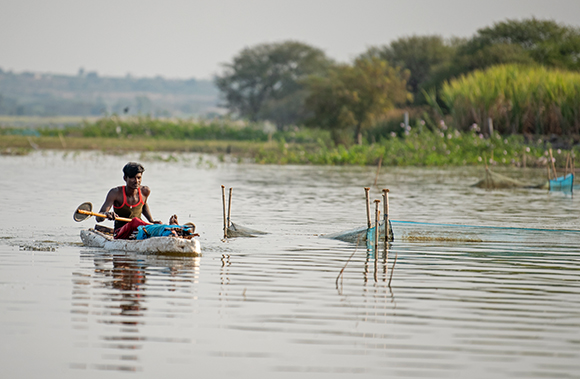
<point x="129" y="201"/>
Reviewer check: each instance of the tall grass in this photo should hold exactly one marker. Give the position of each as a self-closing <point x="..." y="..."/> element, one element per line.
<point x="519" y="99"/>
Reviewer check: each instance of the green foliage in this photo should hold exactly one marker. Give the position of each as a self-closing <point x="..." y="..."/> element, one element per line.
<point x="264" y="82"/>
<point x="519" y="99"/>
<point x="527" y="41"/>
<point x="424" y="143"/>
<point x="547" y="42"/>
<point x="355" y="97"/>
<point x="167" y="129"/>
<point x="421" y="55"/>
<point x="147" y="127"/>
<point x="442" y="147"/>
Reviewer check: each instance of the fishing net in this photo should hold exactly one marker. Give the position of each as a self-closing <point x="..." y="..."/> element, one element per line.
<point x="363" y="234"/>
<point x="236" y="230"/>
<point x="563" y="183"/>
<point x="423" y="232"/>
<point x="494" y="180"/>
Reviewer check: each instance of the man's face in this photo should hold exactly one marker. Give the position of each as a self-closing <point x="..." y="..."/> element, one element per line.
<point x="134" y="182"/>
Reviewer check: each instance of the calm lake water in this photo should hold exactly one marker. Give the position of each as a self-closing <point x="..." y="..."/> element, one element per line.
<point x="486" y="283"/>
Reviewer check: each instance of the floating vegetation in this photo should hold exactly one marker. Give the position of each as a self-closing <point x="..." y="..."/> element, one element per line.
<point x="15" y="151"/>
<point x="493" y="180"/>
<point x="37" y="248"/>
<point x="427" y="237"/>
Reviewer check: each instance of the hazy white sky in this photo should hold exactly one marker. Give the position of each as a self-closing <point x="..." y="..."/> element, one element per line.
<point x="192" y="38"/>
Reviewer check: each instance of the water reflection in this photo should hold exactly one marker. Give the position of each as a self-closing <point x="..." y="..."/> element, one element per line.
<point x="120" y="295"/>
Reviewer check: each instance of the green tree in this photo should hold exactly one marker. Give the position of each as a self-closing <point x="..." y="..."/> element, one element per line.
<point x="524" y="42"/>
<point x="421" y="55"/>
<point x="265" y="82"/>
<point x="355" y="97"/>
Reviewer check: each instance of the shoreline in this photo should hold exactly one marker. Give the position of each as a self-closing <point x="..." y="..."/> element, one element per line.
<point x="276" y="152"/>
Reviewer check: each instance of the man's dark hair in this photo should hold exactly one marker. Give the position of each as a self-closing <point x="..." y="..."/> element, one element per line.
<point x="131" y="169"/>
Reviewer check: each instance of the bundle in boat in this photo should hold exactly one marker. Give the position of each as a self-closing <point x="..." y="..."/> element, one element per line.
<point x="493" y="180"/>
<point x="231" y="229"/>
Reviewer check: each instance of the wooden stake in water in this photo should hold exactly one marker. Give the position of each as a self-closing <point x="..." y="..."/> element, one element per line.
<point x="377" y="215"/>
<point x="368" y="207"/>
<point x="225" y="218"/>
<point x="553" y="165"/>
<point x="230" y="208"/>
<point x="386" y="213"/>
<point x="387" y="229"/>
<point x="377" y="219"/>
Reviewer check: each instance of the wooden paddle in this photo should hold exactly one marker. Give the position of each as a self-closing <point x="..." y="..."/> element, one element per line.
<point x="84" y="211"/>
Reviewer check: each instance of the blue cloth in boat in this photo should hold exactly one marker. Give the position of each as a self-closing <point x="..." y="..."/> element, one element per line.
<point x="157" y="230"/>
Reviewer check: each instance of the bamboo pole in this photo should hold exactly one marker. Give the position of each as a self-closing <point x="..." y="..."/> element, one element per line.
<point x="367" y="189"/>
<point x="553" y="165"/>
<point x="393" y="268"/>
<point x="230" y="209"/>
<point x="387" y="229"/>
<point x="377" y="214"/>
<point x="377" y="217"/>
<point x="224" y="206"/>
<point x="386" y="213"/>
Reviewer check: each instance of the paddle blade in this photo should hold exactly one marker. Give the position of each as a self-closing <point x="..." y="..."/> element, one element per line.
<point x="77" y="216"/>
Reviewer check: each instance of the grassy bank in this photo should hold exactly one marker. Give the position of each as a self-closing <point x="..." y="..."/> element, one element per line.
<point x="17" y="144"/>
<point x="439" y="148"/>
<point x="424" y="144"/>
<point x="426" y="148"/>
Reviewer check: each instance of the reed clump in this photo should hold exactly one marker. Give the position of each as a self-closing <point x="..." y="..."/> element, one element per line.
<point x="519" y="99"/>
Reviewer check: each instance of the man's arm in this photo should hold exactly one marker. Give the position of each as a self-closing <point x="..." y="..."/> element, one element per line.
<point x="145" y="191"/>
<point x="109" y="201"/>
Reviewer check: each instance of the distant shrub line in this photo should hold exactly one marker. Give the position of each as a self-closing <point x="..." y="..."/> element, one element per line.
<point x="425" y="143"/>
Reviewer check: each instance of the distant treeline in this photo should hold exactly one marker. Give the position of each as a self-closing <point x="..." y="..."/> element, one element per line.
<point x="291" y="83"/>
<point x="523" y="74"/>
<point x="88" y="94"/>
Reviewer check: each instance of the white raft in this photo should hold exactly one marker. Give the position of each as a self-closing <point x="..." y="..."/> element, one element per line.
<point x="153" y="245"/>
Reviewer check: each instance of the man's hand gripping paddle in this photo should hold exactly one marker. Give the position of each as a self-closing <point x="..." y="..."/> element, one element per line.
<point x="84" y="211"/>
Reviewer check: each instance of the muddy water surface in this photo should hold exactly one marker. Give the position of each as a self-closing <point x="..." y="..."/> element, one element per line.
<point x="499" y="301"/>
